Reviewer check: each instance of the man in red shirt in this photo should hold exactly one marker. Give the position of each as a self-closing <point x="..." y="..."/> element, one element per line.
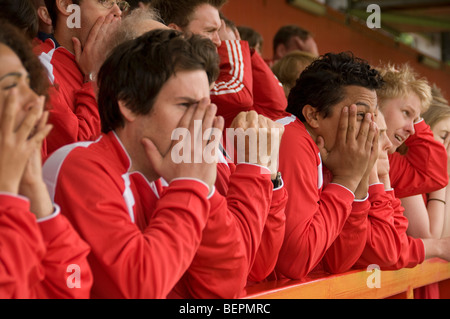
<point x="326" y="155"/>
<point x="159" y="229"/>
<point x="245" y="82"/>
<point x="72" y="58"/>
<point x="269" y="98"/>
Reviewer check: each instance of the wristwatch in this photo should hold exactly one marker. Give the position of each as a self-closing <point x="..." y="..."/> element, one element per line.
<point x="90" y="77"/>
<point x="277" y="181"/>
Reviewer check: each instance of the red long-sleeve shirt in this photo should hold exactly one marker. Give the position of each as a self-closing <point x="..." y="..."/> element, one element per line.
<point x="246" y="83"/>
<point x="383" y="244"/>
<point x="388" y="244"/>
<point x="39" y="257"/>
<point x="73" y="106"/>
<point x="271" y="240"/>
<point x="151" y="240"/>
<point x="423" y="168"/>
<point x="269" y="98"/>
<point x="412" y="252"/>
<point x="315" y="215"/>
<point x="348" y="246"/>
<point x="233" y="90"/>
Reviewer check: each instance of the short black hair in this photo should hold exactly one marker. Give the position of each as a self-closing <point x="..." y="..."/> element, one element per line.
<point x="179" y="12"/>
<point x="137" y="69"/>
<point x="286" y="32"/>
<point x="322" y="83"/>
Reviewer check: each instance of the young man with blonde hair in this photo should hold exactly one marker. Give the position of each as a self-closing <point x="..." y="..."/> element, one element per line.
<point x="417" y="161"/>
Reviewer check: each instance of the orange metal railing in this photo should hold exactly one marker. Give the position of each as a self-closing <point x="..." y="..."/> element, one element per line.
<point x="371" y="284"/>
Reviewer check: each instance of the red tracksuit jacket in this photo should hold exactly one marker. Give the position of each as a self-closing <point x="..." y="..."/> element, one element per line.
<point x="149" y="240"/>
<point x="73" y="106"/>
<point x="315" y="215"/>
<point x="269" y="98"/>
<point x="423" y="168"/>
<point x="233" y="89"/>
<point x="37" y="256"/>
<point x="272" y="237"/>
<point x="386" y="242"/>
<point x="246" y="83"/>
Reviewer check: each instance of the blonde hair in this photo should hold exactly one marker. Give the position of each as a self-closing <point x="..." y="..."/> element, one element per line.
<point x="437" y="95"/>
<point x="289" y="68"/>
<point x="401" y="81"/>
<point x="438" y="110"/>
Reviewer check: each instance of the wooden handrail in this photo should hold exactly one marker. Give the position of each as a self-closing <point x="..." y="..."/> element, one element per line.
<point x="355" y="284"/>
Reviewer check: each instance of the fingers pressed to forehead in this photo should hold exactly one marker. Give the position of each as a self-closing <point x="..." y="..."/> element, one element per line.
<point x="8" y="115"/>
<point x="31" y="119"/>
<point x="365" y="127"/>
<point x="209" y="118"/>
<point x="351" y="128"/>
<point x="372" y="135"/>
<point x="341" y="134"/>
<point x="201" y="109"/>
<point x="187" y="116"/>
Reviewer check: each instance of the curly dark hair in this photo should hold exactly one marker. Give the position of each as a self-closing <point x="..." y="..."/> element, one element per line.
<point x="322" y="83"/>
<point x="137" y="69"/>
<point x="16" y="40"/>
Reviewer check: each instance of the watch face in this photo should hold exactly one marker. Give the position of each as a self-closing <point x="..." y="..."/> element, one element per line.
<point x="277" y="181"/>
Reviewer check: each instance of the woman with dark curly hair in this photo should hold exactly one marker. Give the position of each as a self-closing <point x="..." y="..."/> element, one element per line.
<point x="38" y="243"/>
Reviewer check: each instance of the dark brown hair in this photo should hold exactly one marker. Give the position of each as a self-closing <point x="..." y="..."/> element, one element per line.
<point x="251" y="36"/>
<point x="179" y="12"/>
<point x="137" y="69"/>
<point x="285" y="33"/>
<point x="22" y="14"/>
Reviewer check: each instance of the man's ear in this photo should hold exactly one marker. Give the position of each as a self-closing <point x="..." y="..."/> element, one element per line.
<point x="311" y="115"/>
<point x="42" y="13"/>
<point x="174" y="26"/>
<point x="281" y="50"/>
<point x="62" y="6"/>
<point x="128" y="114"/>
